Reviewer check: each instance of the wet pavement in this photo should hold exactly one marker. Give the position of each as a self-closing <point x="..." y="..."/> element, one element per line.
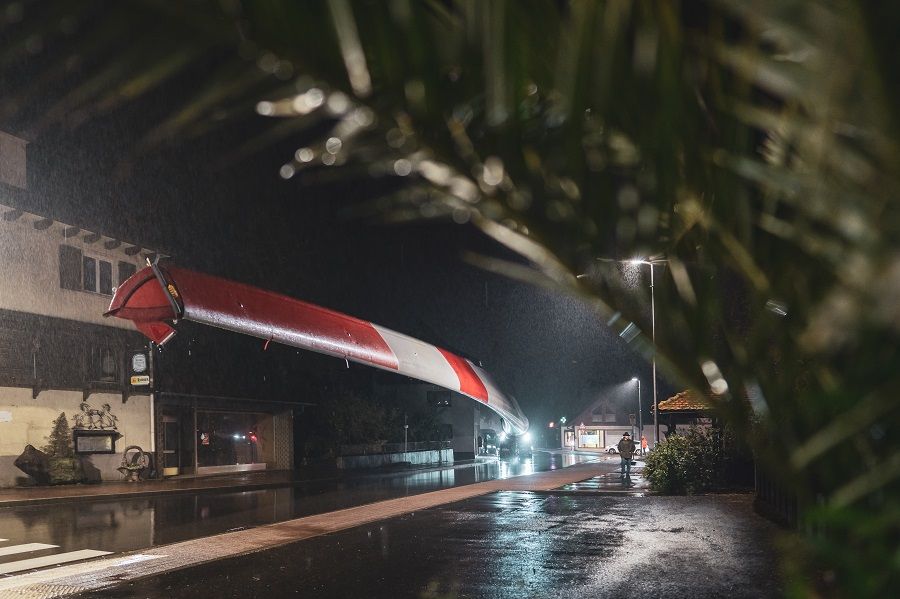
<point x="564" y="532"/>
<point x="117" y="569"/>
<point x="509" y="544"/>
<point x="613" y="482"/>
<point x="121" y="524"/>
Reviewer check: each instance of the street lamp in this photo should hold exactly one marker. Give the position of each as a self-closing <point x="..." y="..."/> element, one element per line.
<point x="640" y="411"/>
<point x="650" y="262"/>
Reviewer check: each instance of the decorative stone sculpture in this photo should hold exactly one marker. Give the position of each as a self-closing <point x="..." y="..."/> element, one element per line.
<point x="35" y="464"/>
<point x="134" y="461"/>
<point x="93" y="419"/>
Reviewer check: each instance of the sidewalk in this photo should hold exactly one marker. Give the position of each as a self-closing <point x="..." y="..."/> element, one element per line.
<point x="86" y="492"/>
<point x="244" y="481"/>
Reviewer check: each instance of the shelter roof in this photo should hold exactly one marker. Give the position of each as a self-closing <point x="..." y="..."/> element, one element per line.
<point x="686" y="400"/>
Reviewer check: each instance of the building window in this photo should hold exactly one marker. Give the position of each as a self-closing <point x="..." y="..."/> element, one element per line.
<point x="603" y="414"/>
<point x="96" y="275"/>
<point x="126" y="269"/>
<point x="84" y="273"/>
<point x="89" y="274"/>
<point x="104" y="364"/>
<point x="589" y="438"/>
<point x="105" y="277"/>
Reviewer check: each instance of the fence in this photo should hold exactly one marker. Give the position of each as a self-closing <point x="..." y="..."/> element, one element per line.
<point x="775" y="502"/>
<point x="385" y="448"/>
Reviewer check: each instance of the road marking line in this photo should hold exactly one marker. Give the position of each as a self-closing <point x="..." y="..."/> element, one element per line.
<point x="44" y="576"/>
<point x="50" y="560"/>
<point x="25" y="548"/>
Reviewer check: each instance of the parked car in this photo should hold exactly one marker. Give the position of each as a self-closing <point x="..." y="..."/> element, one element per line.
<point x="614" y="449"/>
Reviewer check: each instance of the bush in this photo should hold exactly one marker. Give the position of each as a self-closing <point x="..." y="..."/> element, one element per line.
<point x="700" y="460"/>
<point x="63" y="466"/>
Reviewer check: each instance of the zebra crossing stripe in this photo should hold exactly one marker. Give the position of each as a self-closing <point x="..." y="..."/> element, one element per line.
<point x="25" y="548"/>
<point x="34" y="584"/>
<point x="50" y="560"/>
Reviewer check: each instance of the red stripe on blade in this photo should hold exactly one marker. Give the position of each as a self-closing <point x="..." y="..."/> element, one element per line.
<point x="469" y="382"/>
<point x="158" y="332"/>
<point x="242" y="308"/>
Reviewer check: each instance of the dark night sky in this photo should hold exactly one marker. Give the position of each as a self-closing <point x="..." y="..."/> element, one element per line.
<point x="246" y="223"/>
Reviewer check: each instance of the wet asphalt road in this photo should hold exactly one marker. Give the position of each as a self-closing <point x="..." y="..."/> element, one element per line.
<point x="121" y="524"/>
<point x="510" y="545"/>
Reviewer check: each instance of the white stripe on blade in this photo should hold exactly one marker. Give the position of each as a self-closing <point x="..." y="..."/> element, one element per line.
<point x="50" y="560"/>
<point x="27" y="547"/>
<point x="420" y="360"/>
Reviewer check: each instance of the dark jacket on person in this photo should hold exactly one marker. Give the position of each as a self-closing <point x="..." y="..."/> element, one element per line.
<point x="626" y="448"/>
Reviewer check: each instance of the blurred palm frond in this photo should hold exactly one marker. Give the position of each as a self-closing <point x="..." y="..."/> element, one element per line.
<point x="752" y="145"/>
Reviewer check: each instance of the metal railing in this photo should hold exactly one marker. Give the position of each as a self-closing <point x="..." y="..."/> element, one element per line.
<point x="775" y="502"/>
<point x="383" y="448"/>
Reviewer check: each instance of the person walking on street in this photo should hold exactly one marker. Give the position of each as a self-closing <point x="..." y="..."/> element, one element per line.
<point x="626" y="449"/>
<point x="643" y="445"/>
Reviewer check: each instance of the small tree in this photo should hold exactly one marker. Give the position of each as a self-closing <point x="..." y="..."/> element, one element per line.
<point x="59" y="442"/>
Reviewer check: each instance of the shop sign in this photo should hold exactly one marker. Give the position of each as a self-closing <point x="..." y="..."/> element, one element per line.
<point x="94" y="441"/>
<point x="139" y="363"/>
<point x="139" y="380"/>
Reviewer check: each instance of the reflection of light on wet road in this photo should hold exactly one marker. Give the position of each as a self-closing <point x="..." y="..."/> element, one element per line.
<point x="518" y="467"/>
<point x="133" y="524"/>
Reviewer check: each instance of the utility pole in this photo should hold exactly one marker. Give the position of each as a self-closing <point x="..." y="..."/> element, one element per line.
<point x="640" y="417"/>
<point x="653" y="334"/>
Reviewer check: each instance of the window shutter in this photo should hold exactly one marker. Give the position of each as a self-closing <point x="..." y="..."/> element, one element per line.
<point x="69" y="267"/>
<point x="126" y="269"/>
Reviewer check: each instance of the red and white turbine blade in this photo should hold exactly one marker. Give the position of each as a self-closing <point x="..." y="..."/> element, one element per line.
<point x="155" y="295"/>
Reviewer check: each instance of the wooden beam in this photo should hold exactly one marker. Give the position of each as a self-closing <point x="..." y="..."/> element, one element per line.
<point x="11" y="215"/>
<point x="71" y="232"/>
<point x="92" y="238"/>
<point x="112" y="244"/>
<point x="131" y="251"/>
<point x="43" y="224"/>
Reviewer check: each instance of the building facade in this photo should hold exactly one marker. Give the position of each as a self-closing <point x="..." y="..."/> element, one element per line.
<point x="59" y="355"/>
<point x="602" y="424"/>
